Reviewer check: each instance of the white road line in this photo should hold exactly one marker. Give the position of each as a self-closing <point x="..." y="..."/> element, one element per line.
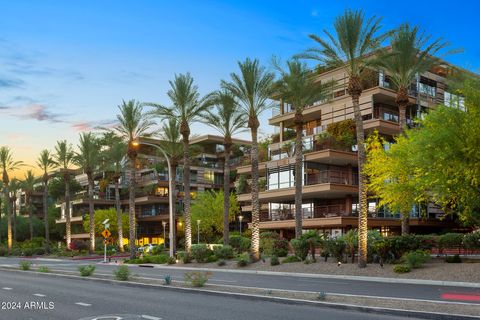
<point x="83" y="304"/>
<point x="6" y="288"/>
<point x="39" y="295"/>
<point x="144" y="316"/>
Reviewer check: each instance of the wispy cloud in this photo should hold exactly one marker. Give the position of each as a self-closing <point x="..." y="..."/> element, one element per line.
<point x="7" y="82"/>
<point x="82" y="126"/>
<point x="41" y="113"/>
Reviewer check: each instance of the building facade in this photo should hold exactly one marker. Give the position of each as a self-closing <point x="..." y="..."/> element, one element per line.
<point x="330" y="164"/>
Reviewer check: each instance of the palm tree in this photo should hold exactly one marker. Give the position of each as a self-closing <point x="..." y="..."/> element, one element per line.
<point x="171" y="143"/>
<point x="13" y="188"/>
<point x="227" y="120"/>
<point x="133" y="124"/>
<point x="298" y="87"/>
<point x="8" y="164"/>
<point x="64" y="159"/>
<point x="45" y="163"/>
<point x="88" y="158"/>
<point x="28" y="185"/>
<point x="252" y="87"/>
<point x="114" y="157"/>
<point x="408" y="56"/>
<point x="187" y="107"/>
<point x="355" y="38"/>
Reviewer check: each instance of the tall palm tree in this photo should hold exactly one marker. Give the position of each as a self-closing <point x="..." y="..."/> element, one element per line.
<point x="45" y="162"/>
<point x="298" y="86"/>
<point x="114" y="157"/>
<point x="188" y="107"/>
<point x="28" y="185"/>
<point x="7" y="164"/>
<point x="171" y="143"/>
<point x="87" y="158"/>
<point x="64" y="159"/>
<point x="227" y="119"/>
<point x="409" y="55"/>
<point x="354" y="39"/>
<point x="14" y="187"/>
<point x="252" y="87"/>
<point x="133" y="124"/>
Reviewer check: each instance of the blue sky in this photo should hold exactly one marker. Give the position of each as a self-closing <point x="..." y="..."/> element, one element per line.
<point x="66" y="65"/>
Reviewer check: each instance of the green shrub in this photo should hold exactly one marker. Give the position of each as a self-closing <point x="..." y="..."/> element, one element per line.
<point x="274" y="261"/>
<point x="224" y="252"/>
<point x="171" y="260"/>
<point x="322" y="296"/>
<point x="158" y="249"/>
<point x="267" y="241"/>
<point x="221" y="263"/>
<point x="453" y="259"/>
<point x="40" y="251"/>
<point x="212" y="258"/>
<point x="25" y="265"/>
<point x="471" y="240"/>
<point x="450" y="240"/>
<point x="197" y="278"/>
<point x="200" y="252"/>
<point x="43" y="269"/>
<point x="16" y="252"/>
<point x="401" y="268"/>
<point x="243" y="260"/>
<point x="86" y="271"/>
<point x="335" y="248"/>
<point x="240" y="243"/>
<point x="291" y="259"/>
<point x="158" y="259"/>
<point x="27" y="252"/>
<point x="122" y="273"/>
<point x="184" y="256"/>
<point x="167" y="279"/>
<point x="3" y="251"/>
<point x="415" y="259"/>
<point x="300" y="247"/>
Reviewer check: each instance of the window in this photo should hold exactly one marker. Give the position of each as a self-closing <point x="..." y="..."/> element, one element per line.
<point x="208" y="176"/>
<point x="454" y="101"/>
<point x="161" y="191"/>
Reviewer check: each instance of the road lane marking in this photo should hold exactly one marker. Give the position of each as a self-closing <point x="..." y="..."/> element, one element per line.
<point x="145" y="316"/>
<point x="83" y="304"/>
<point x="39" y="295"/>
<point x="6" y="288"/>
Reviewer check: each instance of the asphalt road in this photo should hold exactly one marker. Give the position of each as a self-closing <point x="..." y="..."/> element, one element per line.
<point x="46" y="297"/>
<point x="356" y="287"/>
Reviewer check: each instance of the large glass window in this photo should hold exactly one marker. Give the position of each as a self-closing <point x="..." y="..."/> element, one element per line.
<point x="454" y="101"/>
<point x="208" y="176"/>
<point x="281" y="177"/>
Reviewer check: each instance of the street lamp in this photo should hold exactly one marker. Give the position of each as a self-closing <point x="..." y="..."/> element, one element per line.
<point x="170" y="191"/>
<point x="164" y="223"/>
<point x="198" y="231"/>
<point x="240" y="218"/>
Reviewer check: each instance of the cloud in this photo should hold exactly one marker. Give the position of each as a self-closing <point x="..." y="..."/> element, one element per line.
<point x="314" y="13"/>
<point x="10" y="82"/>
<point x="82" y="126"/>
<point x="39" y="112"/>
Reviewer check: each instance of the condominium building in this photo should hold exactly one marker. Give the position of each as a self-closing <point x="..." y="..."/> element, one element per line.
<point x="330" y="164"/>
<point x="152" y="188"/>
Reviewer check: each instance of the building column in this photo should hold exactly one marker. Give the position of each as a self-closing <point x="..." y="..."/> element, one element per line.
<point x="348" y="205"/>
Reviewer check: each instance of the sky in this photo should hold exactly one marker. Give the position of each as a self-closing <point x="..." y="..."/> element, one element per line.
<point x="65" y="66"/>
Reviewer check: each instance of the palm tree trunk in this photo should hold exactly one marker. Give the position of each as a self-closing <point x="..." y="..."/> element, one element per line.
<point x="9" y="218"/>
<point x="45" y="215"/>
<point x="119" y="215"/>
<point x="0" y="221"/>
<point x="298" y="174"/>
<point x="226" y="191"/>
<point x="186" y="197"/>
<point x="91" y="213"/>
<point x="354" y="89"/>
<point x="14" y="210"/>
<point x="402" y="102"/>
<point x="68" y="226"/>
<point x="131" y="208"/>
<point x="30" y="215"/>
<point x="174" y="204"/>
<point x="255" y="200"/>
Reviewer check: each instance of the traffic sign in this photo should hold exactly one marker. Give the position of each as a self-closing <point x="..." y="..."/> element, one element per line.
<point x="106" y="233"/>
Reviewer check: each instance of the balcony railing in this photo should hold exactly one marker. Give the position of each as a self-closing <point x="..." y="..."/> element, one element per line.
<point x="332" y="176"/>
<point x="325" y="211"/>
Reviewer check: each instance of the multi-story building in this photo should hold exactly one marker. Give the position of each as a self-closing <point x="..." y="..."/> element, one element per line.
<point x="152" y="189"/>
<point x="330" y="164"/>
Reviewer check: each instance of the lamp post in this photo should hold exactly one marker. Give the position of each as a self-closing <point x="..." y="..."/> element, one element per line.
<point x="198" y="231"/>
<point x="240" y="218"/>
<point x="164" y="223"/>
<point x="170" y="191"/>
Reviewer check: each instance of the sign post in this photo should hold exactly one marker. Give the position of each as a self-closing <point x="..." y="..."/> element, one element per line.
<point x="106" y="234"/>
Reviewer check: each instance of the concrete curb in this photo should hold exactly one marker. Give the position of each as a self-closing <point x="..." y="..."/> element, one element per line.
<point x="245" y="296"/>
<point x="329" y="276"/>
